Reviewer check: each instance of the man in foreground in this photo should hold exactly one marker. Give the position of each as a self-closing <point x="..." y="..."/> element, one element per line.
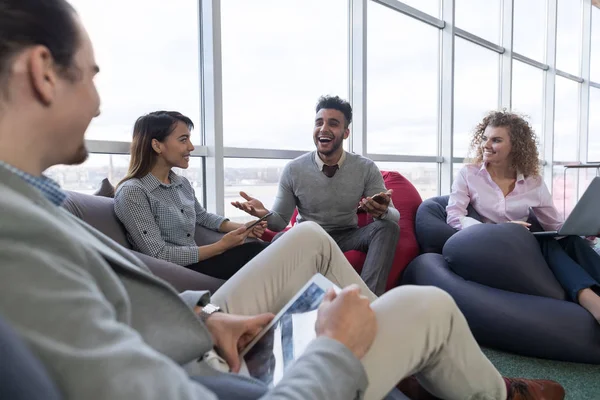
<point x="105" y="328"/>
<point x="327" y="185"/>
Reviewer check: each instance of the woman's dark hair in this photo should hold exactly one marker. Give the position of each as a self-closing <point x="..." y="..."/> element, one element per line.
<point x="524" y="155"/>
<point x="50" y="23"/>
<point x="155" y="125"/>
<point x="336" y="103"/>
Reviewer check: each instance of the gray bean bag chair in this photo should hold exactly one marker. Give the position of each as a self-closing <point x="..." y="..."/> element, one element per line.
<point x="98" y="211"/>
<point x="500" y="281"/>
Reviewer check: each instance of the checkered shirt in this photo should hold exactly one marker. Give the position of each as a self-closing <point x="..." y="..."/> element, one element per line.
<point x="161" y="218"/>
<point x="49" y="188"/>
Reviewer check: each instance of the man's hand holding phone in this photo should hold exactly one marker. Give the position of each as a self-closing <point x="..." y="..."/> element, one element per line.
<point x="378" y="204"/>
<point x="258" y="227"/>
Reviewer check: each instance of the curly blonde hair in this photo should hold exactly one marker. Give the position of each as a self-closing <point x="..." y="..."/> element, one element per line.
<point x="524" y="156"/>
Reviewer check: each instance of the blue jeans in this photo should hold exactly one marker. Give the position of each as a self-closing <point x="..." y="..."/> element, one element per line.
<point x="574" y="263"/>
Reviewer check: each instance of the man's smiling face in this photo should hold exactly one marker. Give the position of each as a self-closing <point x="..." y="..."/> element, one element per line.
<point x="330" y="131"/>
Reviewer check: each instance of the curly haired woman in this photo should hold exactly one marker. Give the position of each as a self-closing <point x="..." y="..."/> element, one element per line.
<point x="502" y="182"/>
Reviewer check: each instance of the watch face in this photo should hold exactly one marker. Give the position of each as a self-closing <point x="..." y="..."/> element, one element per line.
<point x="210" y="308"/>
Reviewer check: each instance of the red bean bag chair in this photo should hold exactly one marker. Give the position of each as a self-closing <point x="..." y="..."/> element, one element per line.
<point x="406" y="200"/>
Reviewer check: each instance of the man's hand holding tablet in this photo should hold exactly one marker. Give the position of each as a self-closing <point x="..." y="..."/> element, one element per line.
<point x="320" y="308"/>
<point x="348" y="318"/>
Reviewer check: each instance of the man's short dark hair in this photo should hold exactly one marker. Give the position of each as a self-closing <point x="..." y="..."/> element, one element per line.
<point x="25" y="23"/>
<point x="336" y="103"/>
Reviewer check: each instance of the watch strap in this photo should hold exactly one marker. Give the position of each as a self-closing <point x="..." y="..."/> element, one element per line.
<point x="208" y="310"/>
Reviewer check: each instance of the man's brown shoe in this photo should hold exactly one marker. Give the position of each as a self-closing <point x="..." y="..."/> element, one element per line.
<point x="534" y="389"/>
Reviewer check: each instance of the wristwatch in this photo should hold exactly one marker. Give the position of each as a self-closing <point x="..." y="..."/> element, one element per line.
<point x="208" y="310"/>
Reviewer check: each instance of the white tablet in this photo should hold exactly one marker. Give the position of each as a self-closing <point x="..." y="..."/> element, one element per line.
<point x="282" y="341"/>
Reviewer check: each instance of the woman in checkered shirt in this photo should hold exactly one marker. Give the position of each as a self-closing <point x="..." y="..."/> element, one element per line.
<point x="159" y="208"/>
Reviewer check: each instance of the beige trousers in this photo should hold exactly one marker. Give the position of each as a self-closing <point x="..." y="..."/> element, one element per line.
<point x="420" y="329"/>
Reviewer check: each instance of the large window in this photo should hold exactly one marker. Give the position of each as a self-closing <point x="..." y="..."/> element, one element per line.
<point x="479" y="17"/>
<point x="568" y="36"/>
<point x="402" y="92"/>
<point x="566" y="121"/>
<point x="423" y="176"/>
<point x="528" y="95"/>
<point x="278" y="58"/>
<point x="594" y="126"/>
<point x="595" y="47"/>
<point x="475" y="90"/>
<point x="150" y="63"/>
<point x="259" y="178"/>
<point x="529" y="26"/>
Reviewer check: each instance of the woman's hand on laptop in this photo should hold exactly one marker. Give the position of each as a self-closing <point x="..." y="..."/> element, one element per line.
<point x="522" y="223"/>
<point x="348" y="318"/>
<point x="232" y="333"/>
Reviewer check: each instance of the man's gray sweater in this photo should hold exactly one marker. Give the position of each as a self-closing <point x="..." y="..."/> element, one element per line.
<point x="330" y="202"/>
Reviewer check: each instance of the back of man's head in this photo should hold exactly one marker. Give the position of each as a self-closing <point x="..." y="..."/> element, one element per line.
<point x="25" y="23"/>
<point x="47" y="93"/>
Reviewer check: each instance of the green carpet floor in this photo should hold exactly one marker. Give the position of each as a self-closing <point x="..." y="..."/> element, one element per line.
<point x="581" y="381"/>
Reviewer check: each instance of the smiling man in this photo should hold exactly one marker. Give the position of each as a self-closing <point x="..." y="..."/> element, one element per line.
<point x="327" y="185"/>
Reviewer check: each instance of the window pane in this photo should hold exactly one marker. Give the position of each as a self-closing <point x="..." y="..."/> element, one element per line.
<point x="475" y="90"/>
<point x="568" y="36"/>
<point x="402" y="94"/>
<point x="424" y="176"/>
<point x="195" y="174"/>
<point x="595" y="61"/>
<point x="594" y="127"/>
<point x="86" y="178"/>
<point x="153" y="67"/>
<point x="529" y="37"/>
<point x="528" y="95"/>
<point x="257" y="177"/>
<point x="586" y="176"/>
<point x="564" y="189"/>
<point x="278" y="58"/>
<point x="431" y="7"/>
<point x="481" y="18"/>
<point x="566" y="138"/>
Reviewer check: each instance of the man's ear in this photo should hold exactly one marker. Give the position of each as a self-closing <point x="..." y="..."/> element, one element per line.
<point x="42" y="74"/>
<point x="346" y="133"/>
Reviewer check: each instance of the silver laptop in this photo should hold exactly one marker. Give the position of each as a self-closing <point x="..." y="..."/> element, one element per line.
<point x="584" y="220"/>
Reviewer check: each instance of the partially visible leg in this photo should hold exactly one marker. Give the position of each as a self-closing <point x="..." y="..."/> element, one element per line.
<point x="590" y="300"/>
<point x="572" y="263"/>
<point x="225" y="265"/>
<point x="580" y="250"/>
<point x="274" y="276"/>
<point x="378" y="239"/>
<point x="572" y="276"/>
<point x="421" y="331"/>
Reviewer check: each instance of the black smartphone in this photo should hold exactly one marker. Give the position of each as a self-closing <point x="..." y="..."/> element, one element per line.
<point x="378" y="198"/>
<point x="259" y="220"/>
